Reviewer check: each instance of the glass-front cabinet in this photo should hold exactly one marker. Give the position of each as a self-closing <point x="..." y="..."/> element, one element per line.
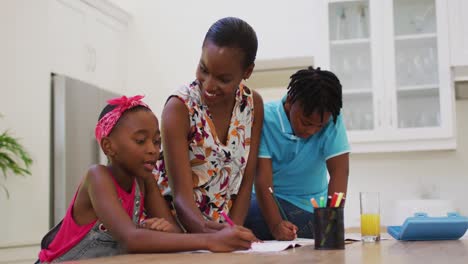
<point x="392" y="59"/>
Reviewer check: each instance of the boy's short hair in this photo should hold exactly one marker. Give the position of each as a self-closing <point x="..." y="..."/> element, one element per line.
<point x="317" y="91"/>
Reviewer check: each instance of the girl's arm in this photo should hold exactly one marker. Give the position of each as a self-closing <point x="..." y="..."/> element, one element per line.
<point x="240" y="206"/>
<point x="105" y="203"/>
<point x="175" y="128"/>
<point x="155" y="204"/>
<point x="338" y="167"/>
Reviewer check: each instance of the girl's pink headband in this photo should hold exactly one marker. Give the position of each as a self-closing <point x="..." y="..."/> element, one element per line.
<point x="108" y="121"/>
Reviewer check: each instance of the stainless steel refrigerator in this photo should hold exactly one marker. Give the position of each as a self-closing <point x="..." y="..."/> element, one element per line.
<point x="76" y="106"/>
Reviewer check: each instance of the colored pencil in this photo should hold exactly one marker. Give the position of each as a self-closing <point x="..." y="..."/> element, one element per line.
<point x="283" y="215"/>
<point x="314" y="202"/>
<point x="227" y="219"/>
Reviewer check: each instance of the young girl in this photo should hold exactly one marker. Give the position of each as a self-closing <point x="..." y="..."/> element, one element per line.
<point x="103" y="217"/>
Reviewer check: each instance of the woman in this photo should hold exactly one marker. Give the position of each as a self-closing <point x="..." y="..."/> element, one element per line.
<point x="211" y="130"/>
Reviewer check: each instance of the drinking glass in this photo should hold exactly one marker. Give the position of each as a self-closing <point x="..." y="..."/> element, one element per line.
<point x="370" y="216"/>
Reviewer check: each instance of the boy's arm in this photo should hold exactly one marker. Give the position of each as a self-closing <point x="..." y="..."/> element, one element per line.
<point x="240" y="206"/>
<point x="263" y="181"/>
<point x="338" y="168"/>
<point x="279" y="228"/>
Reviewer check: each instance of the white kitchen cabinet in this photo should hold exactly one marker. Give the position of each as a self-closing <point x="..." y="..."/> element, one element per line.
<point x="392" y="57"/>
<point x="89" y="41"/>
<point x="458" y="19"/>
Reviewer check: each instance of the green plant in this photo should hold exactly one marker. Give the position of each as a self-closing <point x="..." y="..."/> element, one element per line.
<point x="13" y="158"/>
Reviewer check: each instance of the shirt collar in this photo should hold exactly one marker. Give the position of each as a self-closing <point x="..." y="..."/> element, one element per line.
<point x="284" y="121"/>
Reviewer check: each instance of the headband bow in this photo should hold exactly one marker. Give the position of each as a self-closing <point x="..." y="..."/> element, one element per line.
<point x="108" y="121"/>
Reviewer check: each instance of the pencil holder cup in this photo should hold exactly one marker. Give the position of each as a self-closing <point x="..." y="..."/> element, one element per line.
<point x="329" y="228"/>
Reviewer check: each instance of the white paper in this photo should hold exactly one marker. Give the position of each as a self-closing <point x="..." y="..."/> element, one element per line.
<point x="275" y="245"/>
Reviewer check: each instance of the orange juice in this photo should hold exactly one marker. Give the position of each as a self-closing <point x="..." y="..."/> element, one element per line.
<point x="370" y="226"/>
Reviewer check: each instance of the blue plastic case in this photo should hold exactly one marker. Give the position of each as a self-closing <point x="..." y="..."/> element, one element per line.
<point x="422" y="227"/>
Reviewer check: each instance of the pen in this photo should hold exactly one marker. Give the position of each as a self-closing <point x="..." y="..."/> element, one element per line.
<point x="343" y="200"/>
<point x="283" y="215"/>
<point x="329" y="201"/>
<point x="322" y="202"/>
<point x="227" y="219"/>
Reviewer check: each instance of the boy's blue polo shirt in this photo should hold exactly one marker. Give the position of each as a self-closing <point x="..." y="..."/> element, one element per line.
<point x="299" y="165"/>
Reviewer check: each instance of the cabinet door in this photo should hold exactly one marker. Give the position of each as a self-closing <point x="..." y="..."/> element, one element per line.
<point x="418" y="90"/>
<point x="107" y="38"/>
<point x="87" y="43"/>
<point x="69" y="53"/>
<point x="354" y="58"/>
<point x="458" y="10"/>
<point x="392" y="58"/>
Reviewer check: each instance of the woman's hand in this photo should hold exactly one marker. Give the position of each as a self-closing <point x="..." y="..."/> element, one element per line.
<point x="159" y="224"/>
<point x="212" y="226"/>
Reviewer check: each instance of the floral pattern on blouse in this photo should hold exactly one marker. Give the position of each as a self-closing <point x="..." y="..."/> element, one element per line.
<point x="217" y="169"/>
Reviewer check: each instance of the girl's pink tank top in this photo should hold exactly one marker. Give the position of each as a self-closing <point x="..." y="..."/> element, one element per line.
<point x="70" y="233"/>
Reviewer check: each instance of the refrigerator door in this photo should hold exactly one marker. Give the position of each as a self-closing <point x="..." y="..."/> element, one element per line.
<point x="76" y="106"/>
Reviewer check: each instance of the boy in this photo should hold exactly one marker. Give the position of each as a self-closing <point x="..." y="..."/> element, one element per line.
<point x="303" y="136"/>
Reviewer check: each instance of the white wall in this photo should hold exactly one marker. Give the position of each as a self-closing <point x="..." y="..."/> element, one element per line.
<point x="25" y="104"/>
<point x="166" y="49"/>
<point x="168" y="35"/>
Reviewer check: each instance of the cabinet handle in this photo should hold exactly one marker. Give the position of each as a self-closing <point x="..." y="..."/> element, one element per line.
<point x="391" y="112"/>
<point x="379" y="113"/>
<point x="89" y="58"/>
<point x="94" y="60"/>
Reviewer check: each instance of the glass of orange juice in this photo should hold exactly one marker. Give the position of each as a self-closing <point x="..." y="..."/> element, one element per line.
<point x="370" y="216"/>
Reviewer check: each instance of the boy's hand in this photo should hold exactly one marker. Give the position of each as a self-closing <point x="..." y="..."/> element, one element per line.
<point x="159" y="224"/>
<point x="284" y="230"/>
<point x="230" y="239"/>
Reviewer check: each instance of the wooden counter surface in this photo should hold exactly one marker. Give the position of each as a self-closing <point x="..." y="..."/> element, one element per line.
<point x="386" y="251"/>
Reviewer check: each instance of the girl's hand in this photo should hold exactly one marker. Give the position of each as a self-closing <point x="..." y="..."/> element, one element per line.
<point x="159" y="224"/>
<point x="230" y="239"/>
<point x="284" y="230"/>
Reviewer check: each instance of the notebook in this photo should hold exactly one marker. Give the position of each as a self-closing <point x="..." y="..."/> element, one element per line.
<point x="275" y="245"/>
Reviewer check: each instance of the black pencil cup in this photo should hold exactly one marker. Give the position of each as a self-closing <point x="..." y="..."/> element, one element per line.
<point x="329" y="228"/>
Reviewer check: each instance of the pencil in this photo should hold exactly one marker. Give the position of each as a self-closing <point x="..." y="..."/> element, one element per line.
<point x="283" y="215"/>
<point x="314" y="203"/>
<point x="338" y="200"/>
<point x="227" y="218"/>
